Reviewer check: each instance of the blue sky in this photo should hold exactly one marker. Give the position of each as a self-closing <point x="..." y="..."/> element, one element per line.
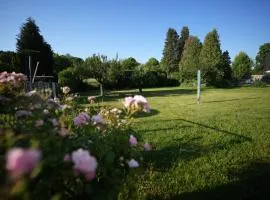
<point x="136" y="28"/>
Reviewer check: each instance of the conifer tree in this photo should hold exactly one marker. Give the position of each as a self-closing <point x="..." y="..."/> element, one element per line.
<point x="189" y="63"/>
<point x="31" y="42"/>
<point x="170" y="60"/>
<point x="211" y="57"/>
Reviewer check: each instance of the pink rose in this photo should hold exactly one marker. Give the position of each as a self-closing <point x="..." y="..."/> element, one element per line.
<point x="84" y="163"/>
<point x="128" y="101"/>
<point x="132" y="140"/>
<point x="22" y="161"/>
<point x="98" y="119"/>
<point x="147" y="147"/>
<point x="81" y="119"/>
<point x="141" y="101"/>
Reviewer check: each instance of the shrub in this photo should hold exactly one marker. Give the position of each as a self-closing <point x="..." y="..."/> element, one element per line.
<point x="11" y="84"/>
<point x="259" y="83"/>
<point x="55" y="149"/>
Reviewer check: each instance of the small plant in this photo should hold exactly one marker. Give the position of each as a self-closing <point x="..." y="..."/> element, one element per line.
<point x="259" y="83"/>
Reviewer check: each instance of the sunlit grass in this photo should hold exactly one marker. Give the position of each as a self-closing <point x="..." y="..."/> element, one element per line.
<point x="215" y="149"/>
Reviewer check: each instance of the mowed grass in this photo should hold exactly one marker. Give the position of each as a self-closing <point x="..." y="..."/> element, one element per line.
<point x="218" y="149"/>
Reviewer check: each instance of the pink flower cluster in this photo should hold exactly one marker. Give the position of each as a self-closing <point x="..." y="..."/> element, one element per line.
<point x="138" y="102"/>
<point x="22" y="161"/>
<point x="132" y="140"/>
<point x="13" y="78"/>
<point x="81" y="119"/>
<point x="99" y="121"/>
<point x="84" y="163"/>
<point x="91" y="99"/>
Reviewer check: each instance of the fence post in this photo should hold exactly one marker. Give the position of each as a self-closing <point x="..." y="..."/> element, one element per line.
<point x="54" y="90"/>
<point x="198" y="86"/>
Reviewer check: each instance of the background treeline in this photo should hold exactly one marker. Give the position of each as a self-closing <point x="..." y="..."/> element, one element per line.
<point x="183" y="55"/>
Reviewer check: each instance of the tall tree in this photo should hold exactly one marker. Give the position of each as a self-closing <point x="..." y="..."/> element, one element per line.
<point x="189" y="63"/>
<point x="183" y="37"/>
<point x="31" y="42"/>
<point x="241" y="66"/>
<point x="263" y="58"/>
<point x="211" y="57"/>
<point x="97" y="67"/>
<point x="171" y="57"/>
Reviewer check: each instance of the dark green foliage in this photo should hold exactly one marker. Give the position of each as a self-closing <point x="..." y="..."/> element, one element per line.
<point x="152" y="65"/>
<point x="263" y="59"/>
<point x="241" y="67"/>
<point x="171" y="55"/>
<point x="31" y="42"/>
<point x="266" y="78"/>
<point x="130" y="63"/>
<point x="97" y="67"/>
<point x="69" y="77"/>
<point x="115" y="74"/>
<point x="211" y="58"/>
<point x="224" y="71"/>
<point x="189" y="63"/>
<point x="61" y="62"/>
<point x="9" y="61"/>
<point x="258" y="83"/>
<point x="183" y="37"/>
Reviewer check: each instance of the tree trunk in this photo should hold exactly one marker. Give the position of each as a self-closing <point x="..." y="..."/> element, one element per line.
<point x="101" y="89"/>
<point x="140" y="90"/>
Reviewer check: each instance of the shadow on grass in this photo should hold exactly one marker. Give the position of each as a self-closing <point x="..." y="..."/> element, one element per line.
<point x="185" y="150"/>
<point x="188" y="149"/>
<point x="164" y="158"/>
<point x="144" y="114"/>
<point x="211" y="128"/>
<point x="115" y="95"/>
<point x="156" y="93"/>
<point x="163" y="129"/>
<point x="253" y="183"/>
<point x="226" y="100"/>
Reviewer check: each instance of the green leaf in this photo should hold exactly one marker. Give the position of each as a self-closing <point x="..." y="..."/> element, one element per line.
<point x="56" y="197"/>
<point x="109" y="158"/>
<point x="18" y="188"/>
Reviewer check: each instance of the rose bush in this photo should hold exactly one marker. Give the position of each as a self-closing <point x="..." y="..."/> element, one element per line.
<point x="56" y="149"/>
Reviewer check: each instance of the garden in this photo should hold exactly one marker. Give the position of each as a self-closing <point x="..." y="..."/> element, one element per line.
<point x="160" y="144"/>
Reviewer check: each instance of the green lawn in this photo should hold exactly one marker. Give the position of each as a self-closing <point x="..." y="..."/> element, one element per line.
<point x="219" y="149"/>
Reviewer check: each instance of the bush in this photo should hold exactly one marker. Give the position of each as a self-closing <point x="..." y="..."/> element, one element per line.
<point x="172" y="82"/>
<point x="258" y="83"/>
<point x="53" y="149"/>
<point x="70" y="77"/>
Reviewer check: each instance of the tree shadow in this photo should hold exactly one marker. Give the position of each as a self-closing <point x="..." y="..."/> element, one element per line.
<point x="163" y="159"/>
<point x="116" y="95"/>
<point x="185" y="150"/>
<point x="226" y="100"/>
<point x="163" y="129"/>
<point x="211" y="128"/>
<point x="252" y="183"/>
